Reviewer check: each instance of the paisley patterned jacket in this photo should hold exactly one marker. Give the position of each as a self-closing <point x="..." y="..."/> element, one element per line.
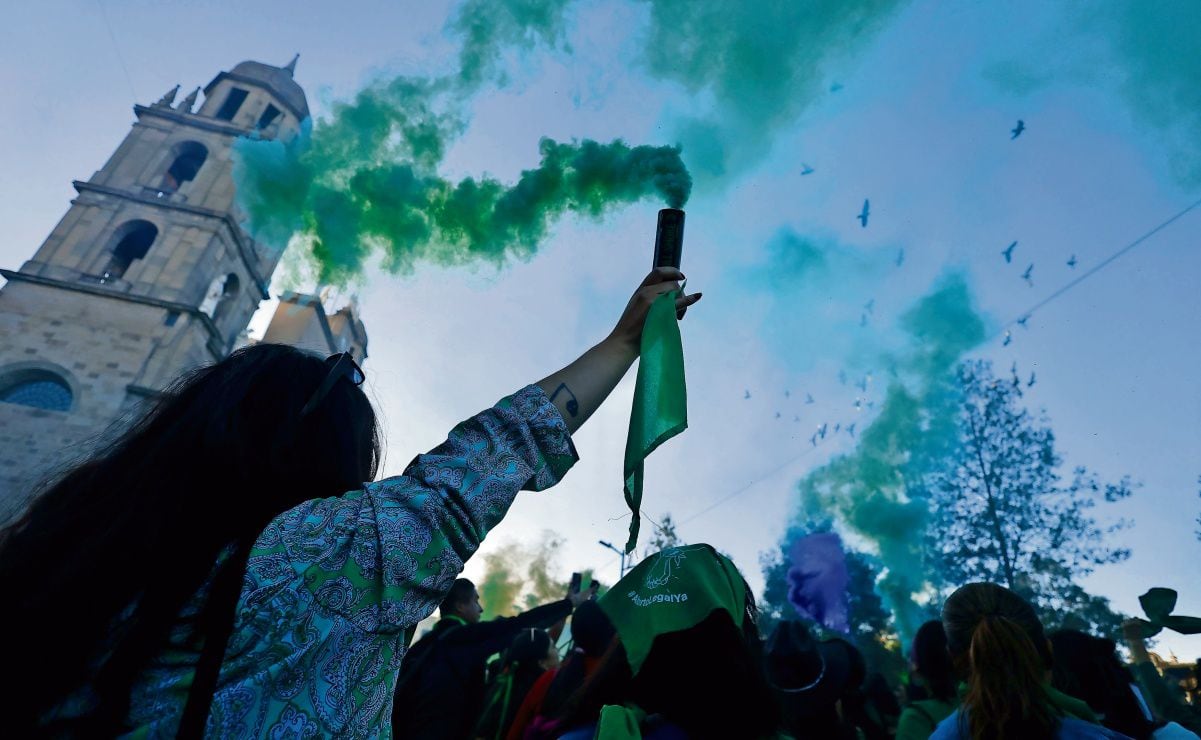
<point x="335" y="587"/>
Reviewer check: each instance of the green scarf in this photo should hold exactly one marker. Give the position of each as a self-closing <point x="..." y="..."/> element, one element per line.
<point x="660" y="399"/>
<point x="671" y="591"/>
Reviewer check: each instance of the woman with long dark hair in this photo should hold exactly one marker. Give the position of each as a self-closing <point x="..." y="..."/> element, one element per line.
<point x="930" y="667"/>
<point x="998" y="648"/>
<point x="227" y="566"/>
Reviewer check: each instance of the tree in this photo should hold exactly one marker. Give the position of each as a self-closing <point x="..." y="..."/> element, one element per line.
<point x="664" y="537"/>
<point x="872" y="630"/>
<point x="1001" y="511"/>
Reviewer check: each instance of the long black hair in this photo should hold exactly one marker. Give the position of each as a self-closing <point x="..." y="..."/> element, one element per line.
<point x="132" y="533"/>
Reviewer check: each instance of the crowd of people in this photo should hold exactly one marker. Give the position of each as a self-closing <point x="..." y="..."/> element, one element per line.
<point x="673" y="651"/>
<point x="220" y="569"/>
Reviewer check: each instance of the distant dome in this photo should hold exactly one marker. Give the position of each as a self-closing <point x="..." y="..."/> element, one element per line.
<point x="280" y="82"/>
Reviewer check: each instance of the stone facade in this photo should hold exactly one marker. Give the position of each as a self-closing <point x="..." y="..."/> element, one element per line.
<point x="147" y="275"/>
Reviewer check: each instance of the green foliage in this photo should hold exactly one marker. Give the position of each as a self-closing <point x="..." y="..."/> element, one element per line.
<point x="664" y="537"/>
<point x="1002" y="511"/>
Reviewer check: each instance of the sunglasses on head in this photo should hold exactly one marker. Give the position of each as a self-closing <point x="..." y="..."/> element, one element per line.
<point x="341" y="365"/>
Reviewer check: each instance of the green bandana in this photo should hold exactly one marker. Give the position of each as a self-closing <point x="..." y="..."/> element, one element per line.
<point x="660" y="399"/>
<point x="671" y="591"/>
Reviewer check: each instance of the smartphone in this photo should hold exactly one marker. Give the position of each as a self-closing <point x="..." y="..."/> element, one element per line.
<point x="577" y="580"/>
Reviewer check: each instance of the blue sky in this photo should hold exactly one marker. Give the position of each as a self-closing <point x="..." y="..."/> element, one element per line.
<point x="920" y="126"/>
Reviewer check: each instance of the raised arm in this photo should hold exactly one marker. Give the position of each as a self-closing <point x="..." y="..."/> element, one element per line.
<point x="579" y="389"/>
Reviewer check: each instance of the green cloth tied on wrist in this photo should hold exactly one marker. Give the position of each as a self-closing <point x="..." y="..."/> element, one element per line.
<point x="660" y="399"/>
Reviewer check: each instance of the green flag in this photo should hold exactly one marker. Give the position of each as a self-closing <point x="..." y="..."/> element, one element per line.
<point x="660" y="399"/>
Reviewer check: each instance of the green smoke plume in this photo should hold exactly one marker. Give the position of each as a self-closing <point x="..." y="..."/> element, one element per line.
<point x="763" y="63"/>
<point x="875" y="490"/>
<point x="412" y="214"/>
<point x="367" y="178"/>
<point x="522" y="575"/>
<point x="489" y="27"/>
<point x="1150" y="53"/>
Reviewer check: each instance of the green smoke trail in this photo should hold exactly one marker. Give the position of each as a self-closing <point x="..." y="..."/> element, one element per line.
<point x="412" y="214"/>
<point x="489" y="27"/>
<point x="763" y="63"/>
<point x="367" y="177"/>
<point x="875" y="490"/>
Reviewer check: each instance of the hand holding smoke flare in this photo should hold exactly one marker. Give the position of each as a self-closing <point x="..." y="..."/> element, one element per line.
<point x="817" y="581"/>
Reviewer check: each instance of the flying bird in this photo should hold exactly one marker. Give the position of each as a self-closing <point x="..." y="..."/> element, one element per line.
<point x="863" y="320"/>
<point x="1030" y="383"/>
<point x="813" y="439"/>
<point x="870" y="306"/>
<point x="1013" y="369"/>
<point x="901" y="257"/>
<point x="1027" y="273"/>
<point x="851" y="428"/>
<point x="1008" y="252"/>
<point x="862" y="384"/>
<point x="1018" y="129"/>
<point x="1023" y="321"/>
<point x="838" y="427"/>
<point x="821" y="431"/>
<point x="777" y="414"/>
<point x="808" y="398"/>
<point x="747" y="396"/>
<point x="1072" y="262"/>
<point x="806" y="169"/>
<point x="1008" y="338"/>
<point x="787" y="393"/>
<point x="836" y="87"/>
<point x="864" y="213"/>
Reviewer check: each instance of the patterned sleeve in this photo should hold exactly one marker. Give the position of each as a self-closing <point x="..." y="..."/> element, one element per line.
<point x="384" y="556"/>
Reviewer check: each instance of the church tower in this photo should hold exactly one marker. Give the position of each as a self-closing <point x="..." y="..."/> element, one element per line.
<point x="147" y="274"/>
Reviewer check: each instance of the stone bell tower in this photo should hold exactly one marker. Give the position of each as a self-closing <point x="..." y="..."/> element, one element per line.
<point x="148" y="274"/>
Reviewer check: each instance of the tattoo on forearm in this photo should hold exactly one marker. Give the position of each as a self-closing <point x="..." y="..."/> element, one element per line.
<point x="573" y="406"/>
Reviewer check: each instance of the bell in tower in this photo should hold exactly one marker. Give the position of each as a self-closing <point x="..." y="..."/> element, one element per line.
<point x="149" y="273"/>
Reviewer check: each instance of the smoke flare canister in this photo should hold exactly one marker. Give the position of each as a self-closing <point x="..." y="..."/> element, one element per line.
<point x="669" y="238"/>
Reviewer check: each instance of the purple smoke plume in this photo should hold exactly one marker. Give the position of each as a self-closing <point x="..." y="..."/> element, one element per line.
<point x="817" y="580"/>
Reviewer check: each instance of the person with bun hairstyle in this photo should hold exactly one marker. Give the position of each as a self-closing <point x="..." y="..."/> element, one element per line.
<point x="998" y="648"/>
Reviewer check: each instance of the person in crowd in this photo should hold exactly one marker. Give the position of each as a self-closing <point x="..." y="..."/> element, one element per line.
<point x="440" y="691"/>
<point x="997" y="645"/>
<point x="227" y="567"/>
<point x="930" y="666"/>
<point x="686" y="661"/>
<point x="814" y="682"/>
<point x="1088" y="668"/>
<point x="1161" y="699"/>
<point x="532" y="654"/>
<point x="591" y="633"/>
